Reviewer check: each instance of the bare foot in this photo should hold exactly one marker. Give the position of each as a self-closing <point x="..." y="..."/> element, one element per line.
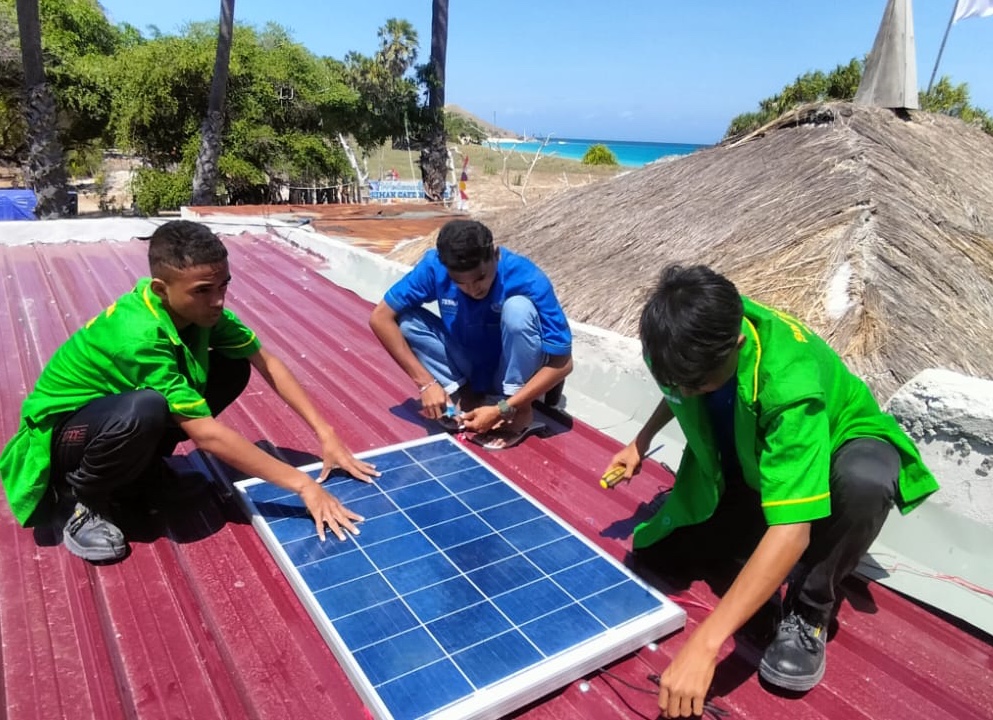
<point x="522" y="418"/>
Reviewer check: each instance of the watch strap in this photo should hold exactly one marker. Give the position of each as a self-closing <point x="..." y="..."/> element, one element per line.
<point x="507" y="411"/>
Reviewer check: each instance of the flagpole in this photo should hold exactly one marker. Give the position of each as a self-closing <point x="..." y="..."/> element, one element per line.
<point x="942" y="48"/>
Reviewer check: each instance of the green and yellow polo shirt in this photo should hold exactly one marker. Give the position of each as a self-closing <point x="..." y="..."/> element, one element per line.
<point x="796" y="403"/>
<point x="132" y="345"/>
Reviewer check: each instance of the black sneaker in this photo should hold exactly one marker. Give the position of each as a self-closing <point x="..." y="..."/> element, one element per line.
<point x="795" y="659"/>
<point x="93" y="537"/>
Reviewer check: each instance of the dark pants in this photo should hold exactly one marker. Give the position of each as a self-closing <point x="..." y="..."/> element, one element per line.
<point x="863" y="482"/>
<point x="117" y="441"/>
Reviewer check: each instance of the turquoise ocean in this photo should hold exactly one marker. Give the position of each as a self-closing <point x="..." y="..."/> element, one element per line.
<point x="628" y="153"/>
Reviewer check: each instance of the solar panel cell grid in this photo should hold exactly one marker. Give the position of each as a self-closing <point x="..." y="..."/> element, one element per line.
<point x="461" y="596"/>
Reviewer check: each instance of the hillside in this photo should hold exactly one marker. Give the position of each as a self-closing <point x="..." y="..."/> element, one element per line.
<point x="490" y="129"/>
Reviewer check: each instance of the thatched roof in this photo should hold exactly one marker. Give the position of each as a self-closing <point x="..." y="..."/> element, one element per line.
<point x="873" y="227"/>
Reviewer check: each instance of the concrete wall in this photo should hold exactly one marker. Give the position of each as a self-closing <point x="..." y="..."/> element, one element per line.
<point x="950" y="417"/>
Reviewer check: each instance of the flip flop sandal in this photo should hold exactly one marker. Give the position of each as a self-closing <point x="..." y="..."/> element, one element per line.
<point x="449" y="424"/>
<point x="491" y="440"/>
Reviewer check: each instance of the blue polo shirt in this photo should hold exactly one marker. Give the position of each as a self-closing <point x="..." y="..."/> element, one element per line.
<point x="475" y="324"/>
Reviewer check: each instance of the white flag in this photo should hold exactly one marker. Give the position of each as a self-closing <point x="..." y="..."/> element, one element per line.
<point x="972" y="8"/>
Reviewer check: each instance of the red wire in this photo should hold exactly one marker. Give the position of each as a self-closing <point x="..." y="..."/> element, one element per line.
<point x="954" y="579"/>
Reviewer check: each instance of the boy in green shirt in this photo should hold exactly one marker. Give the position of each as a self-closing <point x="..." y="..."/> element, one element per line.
<point x="789" y="464"/>
<point x="150" y="371"/>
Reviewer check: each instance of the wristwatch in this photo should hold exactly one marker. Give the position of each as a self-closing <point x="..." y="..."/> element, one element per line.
<point x="507" y="411"/>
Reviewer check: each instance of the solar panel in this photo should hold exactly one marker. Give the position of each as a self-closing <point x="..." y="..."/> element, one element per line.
<point x="463" y="597"/>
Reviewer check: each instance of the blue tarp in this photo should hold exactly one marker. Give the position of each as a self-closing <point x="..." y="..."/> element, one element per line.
<point x="17" y="205"/>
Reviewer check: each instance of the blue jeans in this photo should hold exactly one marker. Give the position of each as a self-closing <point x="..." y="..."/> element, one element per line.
<point x="521" y="355"/>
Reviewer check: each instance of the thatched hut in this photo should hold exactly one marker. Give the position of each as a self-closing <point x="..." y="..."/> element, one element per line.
<point x="874" y="227"/>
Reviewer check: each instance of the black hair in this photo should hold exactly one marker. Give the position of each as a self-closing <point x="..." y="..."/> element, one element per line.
<point x="464" y="245"/>
<point x="690" y="325"/>
<point x="181" y="244"/>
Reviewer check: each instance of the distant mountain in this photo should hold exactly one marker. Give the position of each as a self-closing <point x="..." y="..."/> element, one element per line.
<point x="491" y="129"/>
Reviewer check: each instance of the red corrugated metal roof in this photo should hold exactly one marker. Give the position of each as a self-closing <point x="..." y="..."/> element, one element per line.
<point x="199" y="622"/>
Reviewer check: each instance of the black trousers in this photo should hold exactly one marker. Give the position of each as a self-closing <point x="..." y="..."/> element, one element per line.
<point x="863" y="482"/>
<point x="116" y="441"/>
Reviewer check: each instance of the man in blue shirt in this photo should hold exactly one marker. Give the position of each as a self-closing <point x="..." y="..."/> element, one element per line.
<point x="502" y="333"/>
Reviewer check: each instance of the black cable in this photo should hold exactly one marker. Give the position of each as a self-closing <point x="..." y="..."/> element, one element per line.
<point x="625" y="683"/>
<point x="710" y="710"/>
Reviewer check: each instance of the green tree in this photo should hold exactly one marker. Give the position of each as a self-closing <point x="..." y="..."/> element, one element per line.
<point x="160" y="84"/>
<point x="13" y="131"/>
<point x="44" y="171"/>
<point x="841" y="84"/>
<point x="816" y="86"/>
<point x="953" y="100"/>
<point x="386" y="96"/>
<point x="281" y="106"/>
<point x="599" y="155"/>
<point x="434" y="153"/>
<point x="458" y="128"/>
<point x="78" y="43"/>
<point x="205" y="174"/>
<point x="397" y="47"/>
<point x="843" y="81"/>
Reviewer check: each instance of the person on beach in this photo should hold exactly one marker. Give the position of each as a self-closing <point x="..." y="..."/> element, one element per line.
<point x="501" y="343"/>
<point x="152" y="370"/>
<point x="789" y="465"/>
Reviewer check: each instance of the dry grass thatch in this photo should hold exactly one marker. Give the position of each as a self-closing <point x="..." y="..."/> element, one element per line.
<point x="875" y="228"/>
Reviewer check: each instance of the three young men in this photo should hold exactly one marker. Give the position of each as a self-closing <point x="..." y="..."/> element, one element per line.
<point x="501" y="342"/>
<point x="152" y="370"/>
<point x="789" y="465"/>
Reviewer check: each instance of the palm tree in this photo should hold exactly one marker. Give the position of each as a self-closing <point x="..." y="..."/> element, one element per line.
<point x="397" y="46"/>
<point x="205" y="174"/>
<point x="45" y="171"/>
<point x="434" y="154"/>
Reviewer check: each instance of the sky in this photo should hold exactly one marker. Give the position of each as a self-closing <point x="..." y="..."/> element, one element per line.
<point x="648" y="70"/>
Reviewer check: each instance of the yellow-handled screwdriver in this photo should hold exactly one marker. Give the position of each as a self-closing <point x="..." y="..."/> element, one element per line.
<point x="613" y="476"/>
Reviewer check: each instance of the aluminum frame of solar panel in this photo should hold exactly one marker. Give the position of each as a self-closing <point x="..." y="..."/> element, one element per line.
<point x="495" y="698"/>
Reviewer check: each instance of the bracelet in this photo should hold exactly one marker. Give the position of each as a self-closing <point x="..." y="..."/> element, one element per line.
<point x="422" y="388"/>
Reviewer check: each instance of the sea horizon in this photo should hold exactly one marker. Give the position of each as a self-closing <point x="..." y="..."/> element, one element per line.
<point x="629" y="153"/>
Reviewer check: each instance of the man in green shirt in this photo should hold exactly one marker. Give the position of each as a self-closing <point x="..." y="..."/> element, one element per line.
<point x="150" y="371"/>
<point x="789" y="465"/>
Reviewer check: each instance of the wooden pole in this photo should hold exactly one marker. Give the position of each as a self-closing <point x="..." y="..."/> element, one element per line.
<point x="942" y="48"/>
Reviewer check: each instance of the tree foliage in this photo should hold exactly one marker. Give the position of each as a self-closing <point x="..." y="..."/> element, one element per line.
<point x="397" y="47"/>
<point x="599" y="155"/>
<point x="387" y="88"/>
<point x="147" y="94"/>
<point x="953" y="100"/>
<point x="841" y="84"/>
<point x="77" y="42"/>
<point x="459" y="127"/>
<point x="12" y="128"/>
<point x="279" y="97"/>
